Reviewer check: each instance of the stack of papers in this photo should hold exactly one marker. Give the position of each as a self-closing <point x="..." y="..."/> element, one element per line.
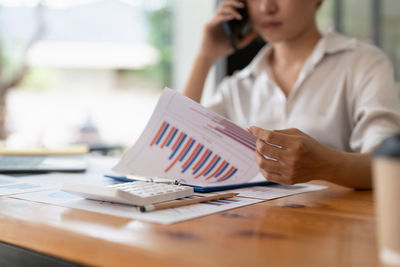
<point x="185" y="141"/>
<point x="182" y="141"/>
<point x="247" y="196"/>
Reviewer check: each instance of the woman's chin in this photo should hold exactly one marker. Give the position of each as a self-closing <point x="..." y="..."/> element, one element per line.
<point x="276" y="37"/>
<point x="272" y="38"/>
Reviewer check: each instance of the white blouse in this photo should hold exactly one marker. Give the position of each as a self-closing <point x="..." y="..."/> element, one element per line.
<point x="344" y="96"/>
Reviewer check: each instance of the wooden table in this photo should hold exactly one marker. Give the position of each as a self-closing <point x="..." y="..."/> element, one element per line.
<point x="333" y="227"/>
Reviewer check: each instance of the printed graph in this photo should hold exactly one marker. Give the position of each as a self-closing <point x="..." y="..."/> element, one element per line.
<point x="184" y="140"/>
<point x="191" y="156"/>
<point x="230" y="130"/>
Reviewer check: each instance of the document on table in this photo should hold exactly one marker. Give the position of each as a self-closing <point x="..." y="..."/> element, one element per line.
<point x="22" y="183"/>
<point x="184" y="140"/>
<point x="9" y="185"/>
<point x="276" y="191"/>
<point x="168" y="216"/>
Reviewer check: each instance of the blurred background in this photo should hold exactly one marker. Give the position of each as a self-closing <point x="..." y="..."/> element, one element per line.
<point x="91" y="71"/>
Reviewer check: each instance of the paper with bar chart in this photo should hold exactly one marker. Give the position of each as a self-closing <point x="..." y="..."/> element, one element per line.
<point x="184" y="140"/>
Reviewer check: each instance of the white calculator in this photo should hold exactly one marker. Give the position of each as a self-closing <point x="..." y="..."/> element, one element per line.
<point x="136" y="193"/>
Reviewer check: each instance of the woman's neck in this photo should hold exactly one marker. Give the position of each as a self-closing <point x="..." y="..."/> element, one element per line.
<point x="296" y="50"/>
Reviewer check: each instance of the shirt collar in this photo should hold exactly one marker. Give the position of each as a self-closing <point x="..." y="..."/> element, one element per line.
<point x="330" y="43"/>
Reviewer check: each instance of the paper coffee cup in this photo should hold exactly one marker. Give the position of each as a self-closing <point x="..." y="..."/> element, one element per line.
<point x="386" y="178"/>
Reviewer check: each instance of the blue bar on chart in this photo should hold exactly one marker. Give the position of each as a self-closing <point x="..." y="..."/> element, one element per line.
<point x="186" y="151"/>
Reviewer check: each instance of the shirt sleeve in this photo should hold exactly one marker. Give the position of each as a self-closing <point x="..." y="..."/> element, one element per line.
<point x="376" y="110"/>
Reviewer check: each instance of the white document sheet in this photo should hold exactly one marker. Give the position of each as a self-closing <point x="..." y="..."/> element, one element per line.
<point x="10" y="185"/>
<point x="184" y="140"/>
<point x="166" y="216"/>
<point x="23" y="183"/>
<point x="276" y="191"/>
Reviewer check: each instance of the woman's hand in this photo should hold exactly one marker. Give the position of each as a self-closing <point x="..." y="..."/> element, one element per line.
<point x="290" y="156"/>
<point x="215" y="42"/>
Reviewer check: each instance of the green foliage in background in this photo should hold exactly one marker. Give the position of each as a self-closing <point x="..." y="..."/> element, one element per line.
<point x="11" y="61"/>
<point x="10" y="58"/>
<point x="325" y="15"/>
<point x="13" y="51"/>
<point x="11" y="55"/>
<point x="40" y="79"/>
<point x="160" y="21"/>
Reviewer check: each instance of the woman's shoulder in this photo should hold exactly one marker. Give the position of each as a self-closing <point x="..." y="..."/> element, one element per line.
<point x="354" y="51"/>
<point x="359" y="63"/>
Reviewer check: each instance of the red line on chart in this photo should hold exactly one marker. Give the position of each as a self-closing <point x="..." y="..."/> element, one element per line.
<point x="201" y="159"/>
<point x="191" y="156"/>
<point x="177" y="141"/>
<point x="239" y="133"/>
<point x="168" y="137"/>
<point x="180" y="155"/>
<point x="232" y="137"/>
<point x="217" y="170"/>
<point x="158" y="133"/>
<point x="227" y="174"/>
<point x="208" y="166"/>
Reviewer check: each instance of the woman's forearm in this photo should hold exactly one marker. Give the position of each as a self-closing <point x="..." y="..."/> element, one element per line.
<point x="351" y="170"/>
<point x="197" y="78"/>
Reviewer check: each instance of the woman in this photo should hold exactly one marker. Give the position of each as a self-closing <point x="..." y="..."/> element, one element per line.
<point x="334" y="97"/>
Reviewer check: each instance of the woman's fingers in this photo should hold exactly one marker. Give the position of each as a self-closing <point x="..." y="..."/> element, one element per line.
<point x="230" y="11"/>
<point x="231" y="3"/>
<point x="269" y="150"/>
<point x="218" y="19"/>
<point x="267" y="164"/>
<point x="291" y="131"/>
<point x="227" y="11"/>
<point x="229" y="8"/>
<point x="271" y="137"/>
<point x="270" y="176"/>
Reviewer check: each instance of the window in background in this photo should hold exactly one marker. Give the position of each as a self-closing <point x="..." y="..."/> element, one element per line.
<point x="95" y="71"/>
<point x="373" y="21"/>
<point x="325" y="19"/>
<point x="356" y="19"/>
<point x="390" y="33"/>
<point x="102" y="64"/>
<point x="98" y="67"/>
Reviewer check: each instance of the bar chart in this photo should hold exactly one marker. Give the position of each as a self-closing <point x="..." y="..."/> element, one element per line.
<point x="229" y="129"/>
<point x="186" y="141"/>
<point x="191" y="156"/>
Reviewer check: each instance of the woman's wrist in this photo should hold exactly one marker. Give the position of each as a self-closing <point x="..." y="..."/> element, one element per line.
<point x="348" y="169"/>
<point x="334" y="164"/>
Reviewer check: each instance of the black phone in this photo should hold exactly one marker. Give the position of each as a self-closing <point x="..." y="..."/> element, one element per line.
<point x="237" y="29"/>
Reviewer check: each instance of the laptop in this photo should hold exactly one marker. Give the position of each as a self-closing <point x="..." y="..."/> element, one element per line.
<point x="42" y="163"/>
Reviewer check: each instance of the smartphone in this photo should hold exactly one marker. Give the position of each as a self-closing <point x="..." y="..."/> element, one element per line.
<point x="237" y="29"/>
